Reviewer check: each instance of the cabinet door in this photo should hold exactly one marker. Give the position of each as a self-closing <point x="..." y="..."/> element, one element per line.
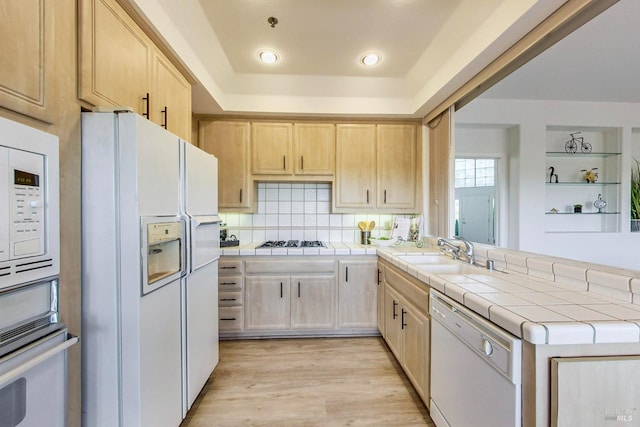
<point x="314" y="148"/>
<point x="229" y="142"/>
<point x="357" y="294"/>
<point x="397" y="170"/>
<point x="267" y="302"/>
<point x="415" y="348"/>
<point x="170" y="103"/>
<point x="272" y="148"/>
<point x="26" y="57"/>
<point x="114" y="56"/>
<point x="313" y="302"/>
<point x="392" y="320"/>
<point x="355" y="166"/>
<point x="381" y="296"/>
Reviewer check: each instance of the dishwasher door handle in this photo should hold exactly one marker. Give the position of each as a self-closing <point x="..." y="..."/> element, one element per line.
<point x="19" y="370"/>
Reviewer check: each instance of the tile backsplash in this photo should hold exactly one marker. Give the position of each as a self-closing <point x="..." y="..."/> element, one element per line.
<point x="301" y="211"/>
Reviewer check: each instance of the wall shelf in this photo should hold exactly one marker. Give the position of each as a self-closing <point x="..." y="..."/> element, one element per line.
<point x="582" y="213"/>
<point x="578" y="155"/>
<point x="572" y="187"/>
<point x="591" y="184"/>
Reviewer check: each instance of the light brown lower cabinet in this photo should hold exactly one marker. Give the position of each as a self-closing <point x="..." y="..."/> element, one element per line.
<point x="290" y="302"/>
<point x="357" y="294"/>
<point x="273" y="296"/>
<point x="407" y="327"/>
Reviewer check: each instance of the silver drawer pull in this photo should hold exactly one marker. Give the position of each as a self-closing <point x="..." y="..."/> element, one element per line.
<point x="227" y="318"/>
<point x="229" y="283"/>
<point x="228" y="299"/>
<point x="228" y="267"/>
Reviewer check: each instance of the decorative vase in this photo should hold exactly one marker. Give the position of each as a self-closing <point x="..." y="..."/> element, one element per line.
<point x="635" y="225"/>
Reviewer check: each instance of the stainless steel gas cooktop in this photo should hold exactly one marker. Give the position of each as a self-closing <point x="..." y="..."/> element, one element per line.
<point x="292" y="244"/>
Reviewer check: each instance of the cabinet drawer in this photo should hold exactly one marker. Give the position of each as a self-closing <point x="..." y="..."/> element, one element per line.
<point x="293" y="266"/>
<point x="410" y="291"/>
<point x="226" y="299"/>
<point x="229" y="266"/>
<point x="231" y="318"/>
<point x="230" y="283"/>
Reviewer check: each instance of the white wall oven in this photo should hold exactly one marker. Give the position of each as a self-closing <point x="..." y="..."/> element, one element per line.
<point x="33" y="340"/>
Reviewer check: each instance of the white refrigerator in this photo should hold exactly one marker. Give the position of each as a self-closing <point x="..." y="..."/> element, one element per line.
<point x="200" y="284"/>
<point x="141" y="260"/>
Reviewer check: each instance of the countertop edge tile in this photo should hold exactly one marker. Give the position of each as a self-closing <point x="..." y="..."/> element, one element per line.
<point x="507" y="319"/>
<point x="569" y="333"/>
<point x="616" y="332"/>
<point x="534" y="333"/>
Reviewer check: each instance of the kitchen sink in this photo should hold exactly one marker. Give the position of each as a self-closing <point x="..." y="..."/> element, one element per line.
<point x="434" y="258"/>
<point x="451" y="267"/>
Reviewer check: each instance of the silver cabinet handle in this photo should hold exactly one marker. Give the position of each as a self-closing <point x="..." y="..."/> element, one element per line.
<point x="16" y="372"/>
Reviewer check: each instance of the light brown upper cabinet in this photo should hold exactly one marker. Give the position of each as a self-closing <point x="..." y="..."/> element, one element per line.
<point x="171" y="107"/>
<point x="229" y="142"/>
<point x="314" y="148"/>
<point x="397" y="166"/>
<point x="119" y="65"/>
<point x="272" y="148"/>
<point x="26" y="57"/>
<point x="355" y="185"/>
<point x="377" y="168"/>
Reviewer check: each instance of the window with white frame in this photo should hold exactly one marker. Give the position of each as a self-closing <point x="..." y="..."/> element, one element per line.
<point x="474" y="173"/>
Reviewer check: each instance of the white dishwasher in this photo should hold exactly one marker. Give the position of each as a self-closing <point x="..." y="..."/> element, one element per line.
<point x="475" y="369"/>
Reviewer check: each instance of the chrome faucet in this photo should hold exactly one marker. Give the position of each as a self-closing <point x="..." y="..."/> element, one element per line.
<point x="446" y="245"/>
<point x="468" y="249"/>
<point x="455" y="250"/>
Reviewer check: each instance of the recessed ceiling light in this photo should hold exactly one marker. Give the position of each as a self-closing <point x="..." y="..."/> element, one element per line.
<point x="268" y="56"/>
<point x="371" y="59"/>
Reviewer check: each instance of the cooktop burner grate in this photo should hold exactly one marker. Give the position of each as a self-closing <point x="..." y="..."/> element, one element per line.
<point x="293" y="244"/>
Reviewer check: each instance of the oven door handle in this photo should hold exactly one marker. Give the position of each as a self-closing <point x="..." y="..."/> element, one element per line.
<point x="16" y="372"/>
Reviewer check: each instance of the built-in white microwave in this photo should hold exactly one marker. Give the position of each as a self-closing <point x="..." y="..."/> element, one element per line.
<point x="29" y="207"/>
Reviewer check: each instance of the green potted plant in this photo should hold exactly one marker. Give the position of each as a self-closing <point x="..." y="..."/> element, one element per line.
<point x="635" y="196"/>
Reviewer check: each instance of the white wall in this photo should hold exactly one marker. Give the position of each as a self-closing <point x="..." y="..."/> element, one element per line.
<point x="527" y="122"/>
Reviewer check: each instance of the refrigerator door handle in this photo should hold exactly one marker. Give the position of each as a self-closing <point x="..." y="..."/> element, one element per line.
<point x="185" y="264"/>
<point x="204" y="220"/>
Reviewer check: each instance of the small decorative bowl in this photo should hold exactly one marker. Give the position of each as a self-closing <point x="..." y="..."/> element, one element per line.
<point x="383" y="242"/>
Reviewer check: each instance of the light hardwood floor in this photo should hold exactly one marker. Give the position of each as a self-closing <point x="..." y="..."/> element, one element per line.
<point x="308" y="382"/>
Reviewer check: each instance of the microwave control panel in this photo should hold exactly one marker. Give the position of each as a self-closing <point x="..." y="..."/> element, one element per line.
<point x="29" y="205"/>
<point x="22" y="175"/>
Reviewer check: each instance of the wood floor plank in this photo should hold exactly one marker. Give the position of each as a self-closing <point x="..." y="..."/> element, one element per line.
<point x="307" y="382"/>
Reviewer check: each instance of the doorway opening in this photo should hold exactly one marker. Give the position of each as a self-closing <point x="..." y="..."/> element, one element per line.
<point x="475" y="199"/>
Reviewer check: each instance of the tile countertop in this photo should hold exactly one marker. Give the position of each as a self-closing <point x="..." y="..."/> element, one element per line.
<point x="332" y="249"/>
<point x="535" y="309"/>
<point x="543" y="300"/>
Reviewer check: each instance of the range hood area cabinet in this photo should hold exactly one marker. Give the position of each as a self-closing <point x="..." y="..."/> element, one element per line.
<point x="229" y="142"/>
<point x="152" y="85"/>
<point x="377" y="168"/>
<point x="293" y="149"/>
<point x="372" y="166"/>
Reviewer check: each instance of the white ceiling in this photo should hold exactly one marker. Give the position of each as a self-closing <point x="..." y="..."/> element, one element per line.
<point x="599" y="62"/>
<point x="429" y="48"/>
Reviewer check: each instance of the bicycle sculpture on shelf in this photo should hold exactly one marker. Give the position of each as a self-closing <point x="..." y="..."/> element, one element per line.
<point x="571" y="146"/>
